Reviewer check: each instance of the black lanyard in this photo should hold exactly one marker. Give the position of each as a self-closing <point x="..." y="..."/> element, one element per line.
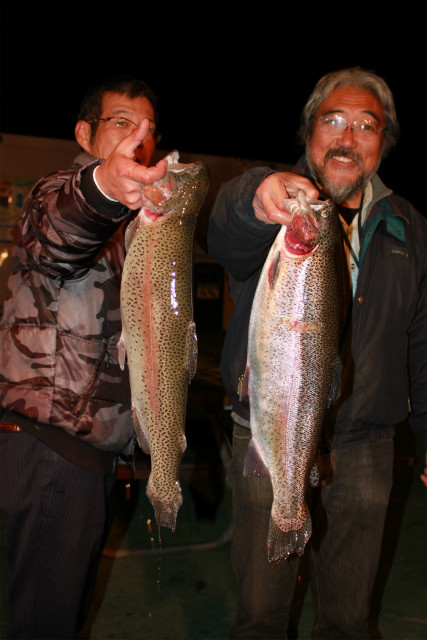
<point x="348" y="243"/>
<point x="360" y="233"/>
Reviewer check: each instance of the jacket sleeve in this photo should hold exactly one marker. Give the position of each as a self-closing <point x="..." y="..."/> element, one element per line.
<point x="417" y="358"/>
<point x="60" y="231"/>
<point x="240" y="243"/>
<point x="236" y="238"/>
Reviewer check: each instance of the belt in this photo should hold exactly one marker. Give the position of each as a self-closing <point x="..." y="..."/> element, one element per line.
<point x="9" y="426"/>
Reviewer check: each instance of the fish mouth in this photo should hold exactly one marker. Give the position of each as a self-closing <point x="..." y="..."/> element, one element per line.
<point x="295" y="247"/>
<point x="154" y="215"/>
<point x="160" y="198"/>
<point x="301" y="238"/>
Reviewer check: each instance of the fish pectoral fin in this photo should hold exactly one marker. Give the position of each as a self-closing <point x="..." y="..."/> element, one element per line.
<point x="122" y="352"/>
<point x="191" y="351"/>
<point x="254" y="465"/>
<point x="130" y="231"/>
<point x="336" y="382"/>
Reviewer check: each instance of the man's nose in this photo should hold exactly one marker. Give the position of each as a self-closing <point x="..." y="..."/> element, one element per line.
<point x="347" y="137"/>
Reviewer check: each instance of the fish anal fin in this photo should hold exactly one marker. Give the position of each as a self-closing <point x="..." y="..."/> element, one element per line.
<point x="254" y="464"/>
<point x="282" y="544"/>
<point x="183" y="443"/>
<point x="314" y="477"/>
<point x="191" y="351"/>
<point x="141" y="431"/>
<point x="243" y="386"/>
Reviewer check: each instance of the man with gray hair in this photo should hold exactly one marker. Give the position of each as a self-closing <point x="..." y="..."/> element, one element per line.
<point x="348" y="125"/>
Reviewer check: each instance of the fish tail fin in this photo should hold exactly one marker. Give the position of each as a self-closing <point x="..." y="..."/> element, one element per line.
<point x="282" y="544"/>
<point x="254" y="464"/>
<point x="122" y="352"/>
<point x="165" y="511"/>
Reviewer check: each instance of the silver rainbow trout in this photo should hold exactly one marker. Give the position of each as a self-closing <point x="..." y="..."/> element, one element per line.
<point x="293" y="365"/>
<point x="158" y="332"/>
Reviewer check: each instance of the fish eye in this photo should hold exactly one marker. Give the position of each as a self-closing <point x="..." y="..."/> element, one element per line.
<point x="324" y="213"/>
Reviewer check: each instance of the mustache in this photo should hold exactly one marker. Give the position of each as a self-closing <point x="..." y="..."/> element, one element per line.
<point x="345" y="153"/>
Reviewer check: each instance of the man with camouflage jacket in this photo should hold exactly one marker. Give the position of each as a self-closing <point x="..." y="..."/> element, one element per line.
<point x="66" y="402"/>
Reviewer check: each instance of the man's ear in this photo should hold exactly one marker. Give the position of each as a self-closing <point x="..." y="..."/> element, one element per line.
<point x="83" y="132"/>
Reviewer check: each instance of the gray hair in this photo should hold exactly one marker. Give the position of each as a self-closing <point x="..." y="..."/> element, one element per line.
<point x="356" y="77"/>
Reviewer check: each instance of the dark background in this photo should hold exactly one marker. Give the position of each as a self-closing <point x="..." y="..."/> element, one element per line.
<point x="232" y="77"/>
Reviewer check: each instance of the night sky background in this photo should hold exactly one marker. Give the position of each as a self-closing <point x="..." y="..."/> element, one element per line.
<point x="232" y="77"/>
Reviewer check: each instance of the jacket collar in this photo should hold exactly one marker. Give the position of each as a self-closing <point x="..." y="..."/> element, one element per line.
<point x="83" y="159"/>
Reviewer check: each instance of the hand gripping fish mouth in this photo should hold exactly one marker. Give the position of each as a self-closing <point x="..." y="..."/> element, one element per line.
<point x="302" y="235"/>
<point x="160" y="199"/>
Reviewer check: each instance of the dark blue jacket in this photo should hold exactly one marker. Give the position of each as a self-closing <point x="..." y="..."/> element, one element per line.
<point x="385" y="348"/>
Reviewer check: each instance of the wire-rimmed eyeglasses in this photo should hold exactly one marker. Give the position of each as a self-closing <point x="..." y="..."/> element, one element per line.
<point x="122" y="123"/>
<point x="337" y="124"/>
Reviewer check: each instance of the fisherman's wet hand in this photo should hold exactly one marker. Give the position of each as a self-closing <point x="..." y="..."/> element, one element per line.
<point x="268" y="201"/>
<point x="121" y="178"/>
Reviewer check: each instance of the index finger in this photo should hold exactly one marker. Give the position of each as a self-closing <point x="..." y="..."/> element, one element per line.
<point x="128" y="145"/>
<point x="147" y="175"/>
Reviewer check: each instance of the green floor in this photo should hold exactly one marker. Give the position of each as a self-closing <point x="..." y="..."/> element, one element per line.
<point x="184" y="588"/>
<point x="187" y="590"/>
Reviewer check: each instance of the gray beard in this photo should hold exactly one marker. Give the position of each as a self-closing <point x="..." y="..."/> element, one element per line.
<point x="340" y="193"/>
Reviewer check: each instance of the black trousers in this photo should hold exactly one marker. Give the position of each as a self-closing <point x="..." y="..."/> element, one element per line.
<point x="59" y="518"/>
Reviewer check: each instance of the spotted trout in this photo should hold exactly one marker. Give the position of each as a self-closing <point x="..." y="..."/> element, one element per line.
<point x="293" y="365"/>
<point x="158" y="332"/>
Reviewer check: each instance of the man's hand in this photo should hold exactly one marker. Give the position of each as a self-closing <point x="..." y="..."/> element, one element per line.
<point x="423" y="476"/>
<point x="123" y="179"/>
<point x="268" y="200"/>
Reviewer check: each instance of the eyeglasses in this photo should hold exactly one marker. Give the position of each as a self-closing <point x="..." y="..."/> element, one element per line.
<point x="122" y="123"/>
<point x="363" y="128"/>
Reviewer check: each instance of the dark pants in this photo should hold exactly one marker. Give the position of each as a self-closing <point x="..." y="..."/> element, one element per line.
<point x="348" y="521"/>
<point x="59" y="517"/>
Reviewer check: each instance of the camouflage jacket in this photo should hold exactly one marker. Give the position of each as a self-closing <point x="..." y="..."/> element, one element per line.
<point x="61" y="319"/>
